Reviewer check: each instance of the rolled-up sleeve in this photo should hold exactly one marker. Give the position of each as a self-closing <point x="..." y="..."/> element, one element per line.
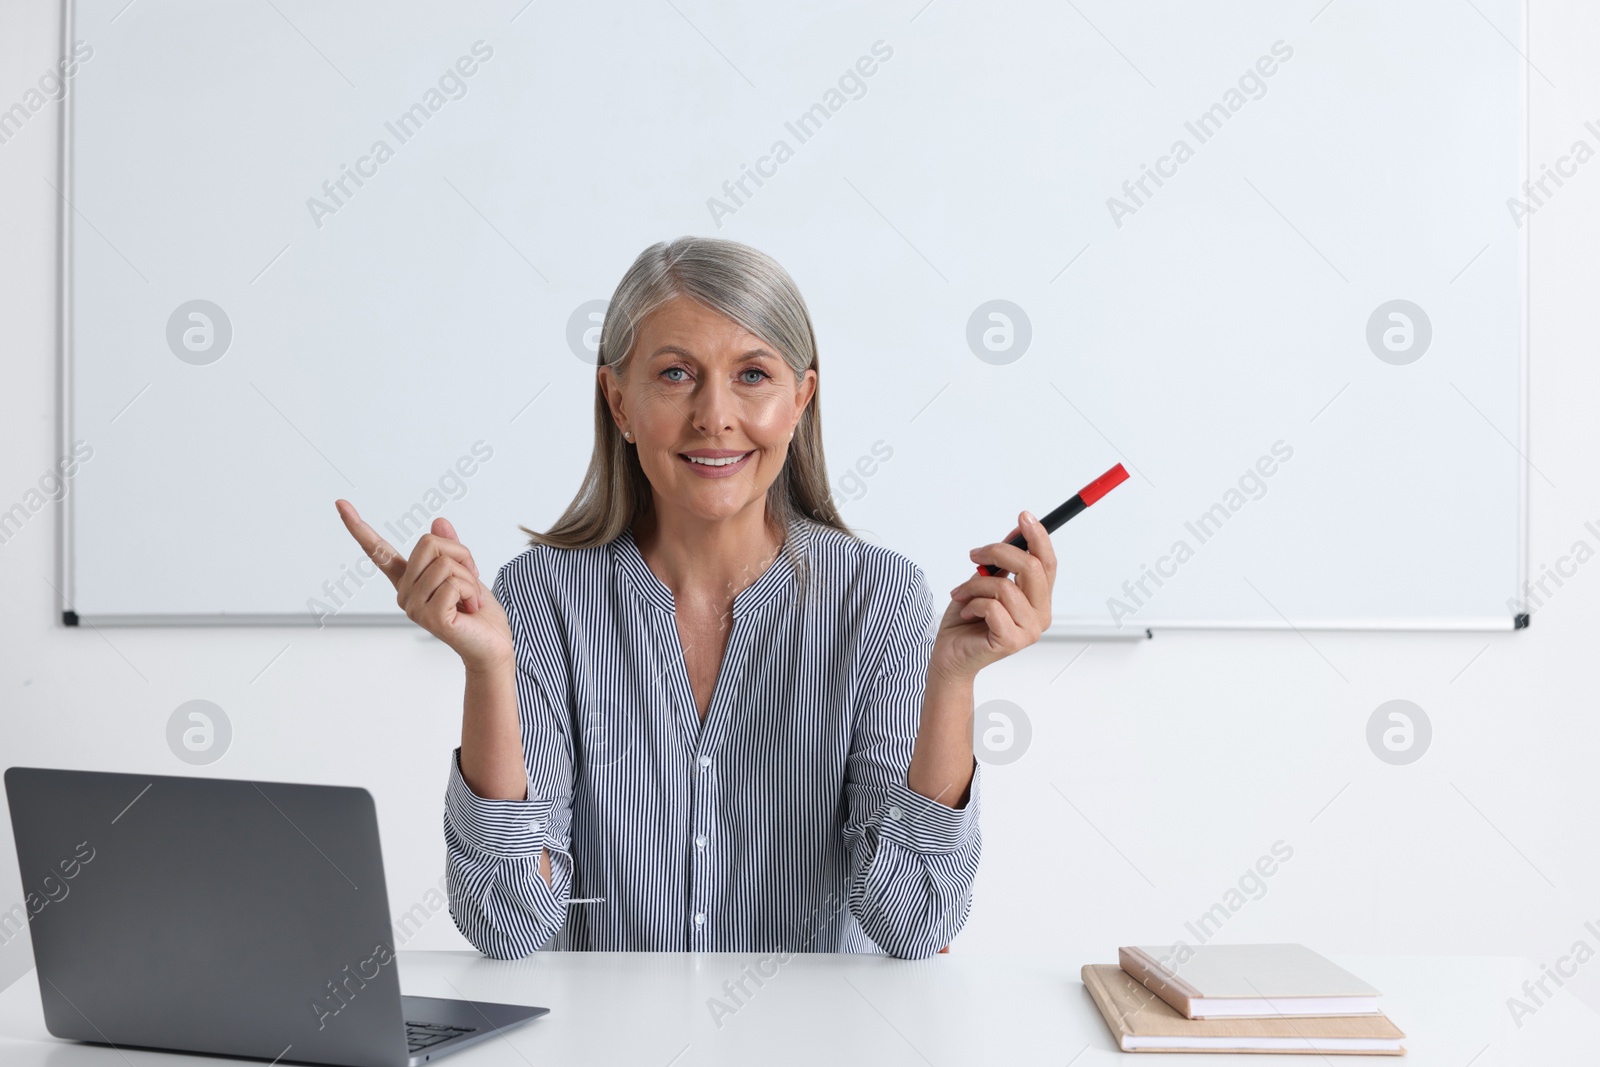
<point x="912" y="859"/>
<point x="498" y="898"/>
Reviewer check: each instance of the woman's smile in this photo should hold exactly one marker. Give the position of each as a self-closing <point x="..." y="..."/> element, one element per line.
<point x="716" y="462"/>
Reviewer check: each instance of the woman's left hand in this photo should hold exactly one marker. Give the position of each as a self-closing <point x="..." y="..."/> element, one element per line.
<point x="993" y="616"/>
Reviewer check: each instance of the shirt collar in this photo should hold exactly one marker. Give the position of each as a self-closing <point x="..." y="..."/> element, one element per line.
<point x="625" y="551"/>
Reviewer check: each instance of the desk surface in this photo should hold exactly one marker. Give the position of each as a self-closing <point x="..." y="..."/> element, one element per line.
<point x="652" y="1009"/>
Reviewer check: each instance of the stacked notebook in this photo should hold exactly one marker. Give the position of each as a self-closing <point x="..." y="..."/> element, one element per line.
<point x="1239" y="998"/>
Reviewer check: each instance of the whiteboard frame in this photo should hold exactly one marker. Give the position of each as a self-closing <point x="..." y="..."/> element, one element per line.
<point x="65" y="589"/>
<point x="1072" y="630"/>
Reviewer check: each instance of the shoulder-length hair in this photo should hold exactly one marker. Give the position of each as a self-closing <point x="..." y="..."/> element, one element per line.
<point x="753" y="290"/>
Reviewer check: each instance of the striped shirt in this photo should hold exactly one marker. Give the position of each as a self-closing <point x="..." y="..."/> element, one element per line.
<point x="784" y="823"/>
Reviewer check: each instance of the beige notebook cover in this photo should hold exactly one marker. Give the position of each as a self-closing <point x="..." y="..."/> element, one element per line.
<point x="1141" y="1022"/>
<point x="1249" y="981"/>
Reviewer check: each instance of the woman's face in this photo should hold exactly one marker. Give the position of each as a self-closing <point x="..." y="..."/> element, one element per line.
<point x="700" y="387"/>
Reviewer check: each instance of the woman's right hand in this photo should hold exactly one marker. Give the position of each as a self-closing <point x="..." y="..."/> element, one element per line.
<point x="439" y="589"/>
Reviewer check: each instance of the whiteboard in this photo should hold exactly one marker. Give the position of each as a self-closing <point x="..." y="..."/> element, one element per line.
<point x="1263" y="255"/>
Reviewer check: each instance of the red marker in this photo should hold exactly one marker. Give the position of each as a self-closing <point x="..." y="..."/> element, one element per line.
<point x="1052" y="522"/>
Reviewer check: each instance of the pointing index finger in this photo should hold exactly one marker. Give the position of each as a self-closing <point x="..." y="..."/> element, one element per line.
<point x="381" y="552"/>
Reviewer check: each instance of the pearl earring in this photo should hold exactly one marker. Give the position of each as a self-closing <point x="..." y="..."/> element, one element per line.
<point x="628" y="434"/>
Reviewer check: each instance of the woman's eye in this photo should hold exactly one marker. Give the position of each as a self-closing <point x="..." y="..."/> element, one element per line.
<point x="754" y="370"/>
<point x="669" y="370"/>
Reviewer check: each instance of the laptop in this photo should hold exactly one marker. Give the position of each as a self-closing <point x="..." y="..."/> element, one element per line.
<point x="227" y="917"/>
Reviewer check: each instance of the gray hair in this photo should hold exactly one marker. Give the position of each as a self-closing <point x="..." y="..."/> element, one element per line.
<point x="748" y="287"/>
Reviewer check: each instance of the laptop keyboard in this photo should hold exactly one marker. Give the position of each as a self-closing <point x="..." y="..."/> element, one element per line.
<point x="425" y="1035"/>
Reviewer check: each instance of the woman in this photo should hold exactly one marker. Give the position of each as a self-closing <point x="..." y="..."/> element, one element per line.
<point x="700" y="714"/>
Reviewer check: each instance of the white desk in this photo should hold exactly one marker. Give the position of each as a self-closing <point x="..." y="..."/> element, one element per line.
<point x="828" y="1011"/>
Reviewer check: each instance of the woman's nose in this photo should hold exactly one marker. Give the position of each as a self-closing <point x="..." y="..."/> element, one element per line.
<point x="712" y="407"/>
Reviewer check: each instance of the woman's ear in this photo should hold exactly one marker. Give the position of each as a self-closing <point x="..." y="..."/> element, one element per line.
<point x="613" y="394"/>
<point x="807" y="390"/>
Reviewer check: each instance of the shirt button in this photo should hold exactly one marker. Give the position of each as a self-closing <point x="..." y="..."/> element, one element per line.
<point x="699" y="918"/>
<point x="535" y="825"/>
<point x="700" y="841"/>
<point x="895" y="812"/>
<point x="705" y="761"/>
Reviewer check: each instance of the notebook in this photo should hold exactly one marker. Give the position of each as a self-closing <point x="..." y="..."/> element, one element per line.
<point x="1141" y="1022"/>
<point x="1249" y="981"/>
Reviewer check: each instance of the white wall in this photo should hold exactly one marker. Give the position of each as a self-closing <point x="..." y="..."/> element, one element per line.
<point x="1184" y="758"/>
